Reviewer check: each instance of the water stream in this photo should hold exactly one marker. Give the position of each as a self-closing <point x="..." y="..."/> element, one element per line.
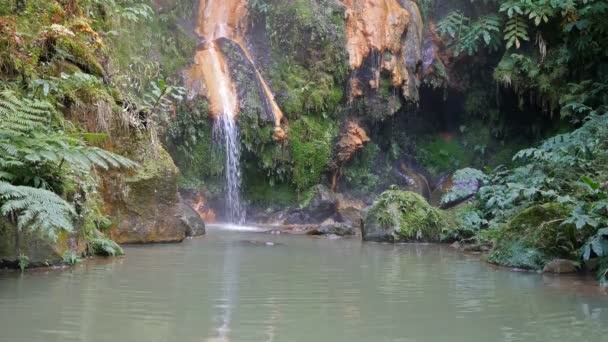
<point x="226" y="129"/>
<point x="237" y="286"/>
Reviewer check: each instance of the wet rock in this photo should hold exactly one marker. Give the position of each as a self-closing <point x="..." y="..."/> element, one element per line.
<point x="413" y="180"/>
<point x="322" y="206"/>
<point x="192" y="221"/>
<point x="399" y="216"/>
<point x="455" y="245"/>
<point x="380" y="26"/>
<point x="334" y="228"/>
<point x="351" y="140"/>
<point x="561" y="266"/>
<point x="351" y="216"/>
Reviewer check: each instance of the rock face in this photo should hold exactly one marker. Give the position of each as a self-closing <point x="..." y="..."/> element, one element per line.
<point x="351" y="140"/>
<point x="400" y="216"/>
<point x="383" y="27"/>
<point x="40" y="251"/>
<point x="195" y="226"/>
<point x="560" y="266"/>
<point x="146" y="205"/>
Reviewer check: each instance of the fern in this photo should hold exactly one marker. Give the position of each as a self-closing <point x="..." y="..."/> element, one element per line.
<point x="516" y="30"/>
<point x="21" y="116"/>
<point x="33" y="156"/>
<point x="37" y="210"/>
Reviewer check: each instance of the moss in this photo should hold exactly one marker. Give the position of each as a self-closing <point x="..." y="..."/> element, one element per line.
<point x="153" y="167"/>
<point x="362" y="174"/>
<point x="81" y="55"/>
<point x="537" y="233"/>
<point x="403" y="216"/>
<point x="440" y="155"/>
<point x="262" y="192"/>
<point x="310" y="143"/>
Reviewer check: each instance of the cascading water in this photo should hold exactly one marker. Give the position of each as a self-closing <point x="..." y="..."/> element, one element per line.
<point x="210" y="77"/>
<point x="226" y="130"/>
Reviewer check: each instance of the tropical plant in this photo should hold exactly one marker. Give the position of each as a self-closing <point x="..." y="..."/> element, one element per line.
<point x="34" y="155"/>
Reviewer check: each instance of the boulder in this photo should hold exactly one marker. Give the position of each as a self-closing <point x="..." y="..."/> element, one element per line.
<point x="456" y="188"/>
<point x="192" y="221"/>
<point x="400" y="216"/>
<point x="39" y="250"/>
<point x="560" y="266"/>
<point x="536" y="235"/>
<point x="146" y="205"/>
<point x="352" y="217"/>
<point x="322" y="206"/>
<point x="334" y="228"/>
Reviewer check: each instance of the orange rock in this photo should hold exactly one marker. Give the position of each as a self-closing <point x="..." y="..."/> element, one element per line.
<point x="209" y="76"/>
<point x="352" y="140"/>
<point x="380" y="26"/>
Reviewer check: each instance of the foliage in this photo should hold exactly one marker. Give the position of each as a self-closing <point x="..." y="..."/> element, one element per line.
<point x="70" y="258"/>
<point x="361" y="174"/>
<point x="440" y="155"/>
<point x="310" y="144"/>
<point x="551" y="51"/>
<point x="464" y="224"/>
<point x="33" y="153"/>
<point x="23" y="261"/>
<point x="551" y="204"/>
<point x="465" y="183"/>
<point x="105" y="247"/>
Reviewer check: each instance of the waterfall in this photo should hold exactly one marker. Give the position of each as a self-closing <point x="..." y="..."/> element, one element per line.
<point x="210" y="77"/>
<point x="226" y="130"/>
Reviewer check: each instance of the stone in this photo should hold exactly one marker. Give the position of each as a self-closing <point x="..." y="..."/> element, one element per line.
<point x="401" y="216"/>
<point x="351" y="216"/>
<point x="560" y="266"/>
<point x="146" y="206"/>
<point x="334" y="228"/>
<point x="192" y="221"/>
<point x="40" y="251"/>
<point x="322" y="206"/>
<point x="351" y="140"/>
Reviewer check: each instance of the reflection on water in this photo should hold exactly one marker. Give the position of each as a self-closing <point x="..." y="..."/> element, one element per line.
<point x="230" y="286"/>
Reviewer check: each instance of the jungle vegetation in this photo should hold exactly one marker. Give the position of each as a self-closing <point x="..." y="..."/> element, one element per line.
<point x="79" y="77"/>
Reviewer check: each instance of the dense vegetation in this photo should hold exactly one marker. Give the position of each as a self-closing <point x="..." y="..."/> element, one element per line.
<point x="73" y="82"/>
<point x="551" y="203"/>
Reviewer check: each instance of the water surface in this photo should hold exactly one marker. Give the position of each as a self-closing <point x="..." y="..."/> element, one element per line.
<point x="233" y="286"/>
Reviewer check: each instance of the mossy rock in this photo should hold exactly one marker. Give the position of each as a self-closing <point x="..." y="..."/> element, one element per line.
<point x="535" y="236"/>
<point x="399" y="216"/>
<point x="145" y="205"/>
<point x="39" y="250"/>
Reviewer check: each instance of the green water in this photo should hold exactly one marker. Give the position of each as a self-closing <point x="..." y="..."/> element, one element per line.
<point x="224" y="288"/>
